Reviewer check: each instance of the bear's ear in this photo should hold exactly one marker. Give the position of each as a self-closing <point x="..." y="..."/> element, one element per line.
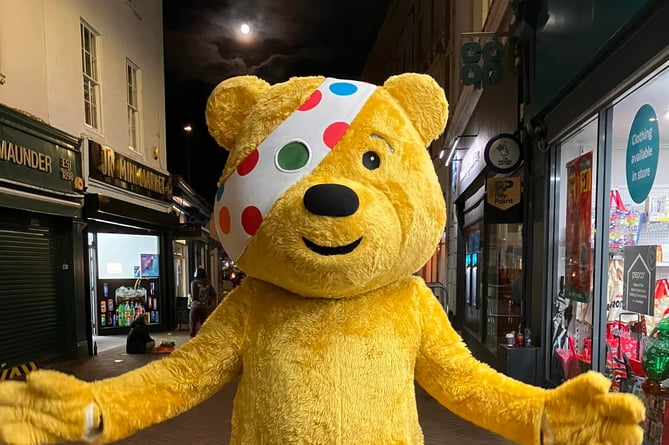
<point x="229" y="104"/>
<point x="423" y="100"/>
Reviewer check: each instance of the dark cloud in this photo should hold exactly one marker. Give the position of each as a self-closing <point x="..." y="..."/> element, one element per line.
<point x="288" y="38"/>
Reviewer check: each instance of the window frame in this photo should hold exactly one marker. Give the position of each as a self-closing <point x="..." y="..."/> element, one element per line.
<point x="90" y="68"/>
<point x="133" y="106"/>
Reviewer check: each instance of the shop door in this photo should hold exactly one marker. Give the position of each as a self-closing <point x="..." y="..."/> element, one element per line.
<point x="93" y="279"/>
<point x="31" y="322"/>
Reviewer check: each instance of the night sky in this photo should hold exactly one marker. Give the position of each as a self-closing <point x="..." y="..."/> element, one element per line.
<point x="203" y="46"/>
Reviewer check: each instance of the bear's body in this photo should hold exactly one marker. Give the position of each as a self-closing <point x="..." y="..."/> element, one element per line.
<point x="333" y="382"/>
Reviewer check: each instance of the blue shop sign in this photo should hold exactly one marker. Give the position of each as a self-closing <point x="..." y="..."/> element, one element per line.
<point x="643" y="152"/>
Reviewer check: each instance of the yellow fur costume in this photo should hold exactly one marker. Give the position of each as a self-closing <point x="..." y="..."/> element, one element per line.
<point x="330" y="330"/>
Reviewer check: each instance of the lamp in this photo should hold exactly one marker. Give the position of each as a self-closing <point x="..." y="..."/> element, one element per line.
<point x="188" y="129"/>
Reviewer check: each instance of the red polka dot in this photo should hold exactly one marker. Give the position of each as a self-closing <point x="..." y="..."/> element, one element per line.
<point x="313" y="100"/>
<point x="224" y="220"/>
<point x="249" y="163"/>
<point x="334" y="133"/>
<point x="251" y="219"/>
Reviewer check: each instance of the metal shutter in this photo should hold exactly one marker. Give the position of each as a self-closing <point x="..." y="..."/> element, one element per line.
<point x="31" y="326"/>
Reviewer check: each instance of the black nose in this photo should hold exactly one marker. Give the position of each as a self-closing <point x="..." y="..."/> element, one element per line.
<point x="331" y="200"/>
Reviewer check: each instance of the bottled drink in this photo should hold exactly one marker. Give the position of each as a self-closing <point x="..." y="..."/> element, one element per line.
<point x="528" y="337"/>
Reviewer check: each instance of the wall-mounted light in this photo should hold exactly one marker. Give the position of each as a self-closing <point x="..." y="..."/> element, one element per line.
<point x="156" y="151"/>
<point x="453" y="148"/>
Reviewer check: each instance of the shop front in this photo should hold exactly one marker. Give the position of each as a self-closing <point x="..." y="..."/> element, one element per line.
<point x="42" y="310"/>
<point x="611" y="250"/>
<point x="600" y="182"/>
<point x="603" y="142"/>
<point x="487" y="176"/>
<point x="193" y="245"/>
<point x="130" y="227"/>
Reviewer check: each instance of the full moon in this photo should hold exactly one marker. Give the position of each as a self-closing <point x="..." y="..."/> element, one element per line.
<point x="245" y="29"/>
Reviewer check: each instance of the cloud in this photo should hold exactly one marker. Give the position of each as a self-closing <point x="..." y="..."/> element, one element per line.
<point x="289" y="37"/>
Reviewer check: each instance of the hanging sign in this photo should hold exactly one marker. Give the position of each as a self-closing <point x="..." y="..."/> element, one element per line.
<point x="643" y="151"/>
<point x="639" y="276"/>
<point x="504" y="193"/>
<point x="578" y="255"/>
<point x="482" y="65"/>
<point x="502" y="153"/>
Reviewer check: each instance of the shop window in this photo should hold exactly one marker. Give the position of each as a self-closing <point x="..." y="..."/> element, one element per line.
<point x="91" y="75"/>
<point x="181" y="281"/>
<point x="473" y="292"/>
<point x="127" y="282"/>
<point x="503" y="265"/>
<point x="572" y="301"/>
<point x="638" y="244"/>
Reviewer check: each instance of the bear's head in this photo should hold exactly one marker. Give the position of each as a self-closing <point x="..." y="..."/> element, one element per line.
<point x="328" y="190"/>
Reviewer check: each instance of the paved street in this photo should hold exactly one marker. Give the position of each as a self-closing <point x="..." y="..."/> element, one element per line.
<point x="209" y="422"/>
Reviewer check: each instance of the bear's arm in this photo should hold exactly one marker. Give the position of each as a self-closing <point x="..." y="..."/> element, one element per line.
<point x="191" y="374"/>
<point x="446" y="369"/>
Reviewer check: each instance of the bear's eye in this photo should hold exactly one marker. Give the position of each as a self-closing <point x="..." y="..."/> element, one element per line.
<point x="371" y="160"/>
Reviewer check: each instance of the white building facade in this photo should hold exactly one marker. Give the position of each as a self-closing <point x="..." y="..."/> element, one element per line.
<point x="83" y="155"/>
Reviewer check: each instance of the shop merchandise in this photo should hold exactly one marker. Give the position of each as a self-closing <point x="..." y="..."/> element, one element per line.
<point x="329" y="203"/>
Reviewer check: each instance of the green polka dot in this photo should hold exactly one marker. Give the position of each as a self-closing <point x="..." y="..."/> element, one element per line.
<point x="292" y="156"/>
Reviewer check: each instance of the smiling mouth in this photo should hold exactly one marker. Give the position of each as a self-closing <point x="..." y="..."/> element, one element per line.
<point x="337" y="250"/>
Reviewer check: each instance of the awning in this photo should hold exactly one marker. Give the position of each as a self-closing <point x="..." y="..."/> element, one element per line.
<point x="105" y="208"/>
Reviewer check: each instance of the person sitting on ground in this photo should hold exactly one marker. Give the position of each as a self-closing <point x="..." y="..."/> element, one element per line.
<point x="139" y="341"/>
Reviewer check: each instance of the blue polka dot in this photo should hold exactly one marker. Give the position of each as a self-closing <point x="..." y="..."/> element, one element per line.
<point x="219" y="194"/>
<point x="343" y="88"/>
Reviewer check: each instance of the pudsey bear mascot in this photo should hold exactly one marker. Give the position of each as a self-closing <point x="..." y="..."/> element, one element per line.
<point x="328" y="202"/>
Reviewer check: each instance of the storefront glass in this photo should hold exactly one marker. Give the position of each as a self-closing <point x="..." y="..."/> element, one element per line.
<point x="572" y="302"/>
<point x="635" y="251"/>
<point x="128" y="279"/>
<point x="181" y="281"/>
<point x="638" y="247"/>
<point x="503" y="264"/>
<point x="473" y="240"/>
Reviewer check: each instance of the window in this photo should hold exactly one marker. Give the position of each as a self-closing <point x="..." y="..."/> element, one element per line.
<point x="572" y="305"/>
<point x="637" y="292"/>
<point x="89" y="66"/>
<point x="133" y="105"/>
<point x="473" y="289"/>
<point x="504" y="279"/>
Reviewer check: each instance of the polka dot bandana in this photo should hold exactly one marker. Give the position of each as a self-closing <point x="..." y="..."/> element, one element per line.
<point x="289" y="153"/>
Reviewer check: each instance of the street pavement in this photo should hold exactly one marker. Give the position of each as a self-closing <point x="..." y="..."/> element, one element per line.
<point x="209" y="422"/>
